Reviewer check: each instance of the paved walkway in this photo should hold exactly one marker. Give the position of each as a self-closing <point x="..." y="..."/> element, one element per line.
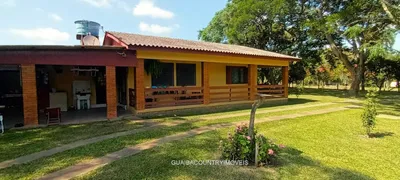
<point x="387" y="116"/>
<point x="85" y="167"/>
<point x="45" y="153"/>
<point x="293" y="107"/>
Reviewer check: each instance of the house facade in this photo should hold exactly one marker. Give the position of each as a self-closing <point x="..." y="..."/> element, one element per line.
<point x="134" y="73"/>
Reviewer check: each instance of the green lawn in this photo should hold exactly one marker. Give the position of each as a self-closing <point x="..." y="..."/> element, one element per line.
<point x="15" y="143"/>
<point x="330" y="146"/>
<point x="58" y="161"/>
<point x="20" y="142"/>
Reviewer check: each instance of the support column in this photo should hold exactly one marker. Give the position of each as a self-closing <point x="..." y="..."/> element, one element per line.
<point x="29" y="94"/>
<point x="205" y="82"/>
<point x="111" y="91"/>
<point x="139" y="85"/>
<point x="285" y="80"/>
<point x="252" y="81"/>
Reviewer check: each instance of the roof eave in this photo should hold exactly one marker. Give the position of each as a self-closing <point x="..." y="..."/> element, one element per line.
<point x="140" y="47"/>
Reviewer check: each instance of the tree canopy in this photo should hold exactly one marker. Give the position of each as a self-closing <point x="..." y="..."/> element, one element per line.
<point x="354" y="31"/>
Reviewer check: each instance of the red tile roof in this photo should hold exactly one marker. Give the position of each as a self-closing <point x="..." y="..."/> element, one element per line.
<point x="180" y="44"/>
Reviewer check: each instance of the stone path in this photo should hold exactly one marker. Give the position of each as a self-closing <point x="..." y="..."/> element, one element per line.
<point x="85" y="167"/>
<point x="294" y="107"/>
<point x="45" y="153"/>
<point x="387" y="116"/>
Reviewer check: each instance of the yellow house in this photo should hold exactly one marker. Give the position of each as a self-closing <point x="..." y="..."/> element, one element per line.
<point x="130" y="73"/>
<point x="176" y="73"/>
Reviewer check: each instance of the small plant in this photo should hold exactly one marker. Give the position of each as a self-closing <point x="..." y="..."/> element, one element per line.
<point x="241" y="146"/>
<point x="369" y="114"/>
<point x="299" y="89"/>
<point x="267" y="150"/>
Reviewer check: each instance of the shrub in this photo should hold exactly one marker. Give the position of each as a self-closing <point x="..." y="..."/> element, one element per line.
<point x="369" y="114"/>
<point x="299" y="89"/>
<point x="240" y="146"/>
<point x="267" y="150"/>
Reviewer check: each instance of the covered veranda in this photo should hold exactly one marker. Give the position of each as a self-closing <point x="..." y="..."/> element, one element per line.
<point x="191" y="80"/>
<point x="35" y="65"/>
<point x="196" y="73"/>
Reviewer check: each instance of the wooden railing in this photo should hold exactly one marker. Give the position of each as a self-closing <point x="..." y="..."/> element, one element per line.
<point x="162" y="97"/>
<point x="229" y="93"/>
<point x="274" y="91"/>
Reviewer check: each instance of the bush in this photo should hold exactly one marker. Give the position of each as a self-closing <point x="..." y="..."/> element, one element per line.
<point x="369" y="114"/>
<point x="299" y="89"/>
<point x="240" y="146"/>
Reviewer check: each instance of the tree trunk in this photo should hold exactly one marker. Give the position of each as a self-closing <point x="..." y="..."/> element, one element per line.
<point x="355" y="74"/>
<point x="398" y="85"/>
<point x="363" y="82"/>
<point x="254" y="107"/>
<point x="381" y="85"/>
<point x="355" y="84"/>
<point x="252" y="118"/>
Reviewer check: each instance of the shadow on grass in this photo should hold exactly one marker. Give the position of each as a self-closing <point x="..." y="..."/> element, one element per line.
<point x="42" y="166"/>
<point x="219" y="109"/>
<point x="380" y="134"/>
<point x="327" y="92"/>
<point x="156" y="163"/>
<point x="291" y="160"/>
<point x="15" y="143"/>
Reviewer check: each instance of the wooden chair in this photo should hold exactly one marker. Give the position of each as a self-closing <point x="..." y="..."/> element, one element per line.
<point x="53" y="115"/>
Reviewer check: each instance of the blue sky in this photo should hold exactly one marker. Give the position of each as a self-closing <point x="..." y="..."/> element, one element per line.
<point x="52" y="21"/>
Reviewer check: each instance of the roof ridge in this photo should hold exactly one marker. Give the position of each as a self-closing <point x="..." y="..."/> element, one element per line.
<point x="188" y="40"/>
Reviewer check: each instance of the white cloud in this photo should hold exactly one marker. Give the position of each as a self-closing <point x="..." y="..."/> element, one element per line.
<point x="147" y="8"/>
<point x="41" y="35"/>
<point x="98" y="3"/>
<point x="8" y="3"/>
<point x="156" y="29"/>
<point x="55" y="17"/>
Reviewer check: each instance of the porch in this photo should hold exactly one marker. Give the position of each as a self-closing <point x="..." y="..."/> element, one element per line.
<point x="185" y="84"/>
<point x="78" y="84"/>
<point x="12" y="120"/>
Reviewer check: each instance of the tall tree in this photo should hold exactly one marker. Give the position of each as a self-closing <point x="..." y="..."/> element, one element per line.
<point x="365" y="28"/>
<point x="359" y="26"/>
<point x="274" y="25"/>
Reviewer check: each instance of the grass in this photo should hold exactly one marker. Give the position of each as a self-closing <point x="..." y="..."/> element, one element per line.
<point x="40" y="167"/>
<point x="304" y="99"/>
<point x="329" y="146"/>
<point x="58" y="161"/>
<point x="16" y="143"/>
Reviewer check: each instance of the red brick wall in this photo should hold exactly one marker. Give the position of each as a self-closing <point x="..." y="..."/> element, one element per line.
<point x="139" y="85"/>
<point x="29" y="94"/>
<point x="206" y="82"/>
<point x="111" y="90"/>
